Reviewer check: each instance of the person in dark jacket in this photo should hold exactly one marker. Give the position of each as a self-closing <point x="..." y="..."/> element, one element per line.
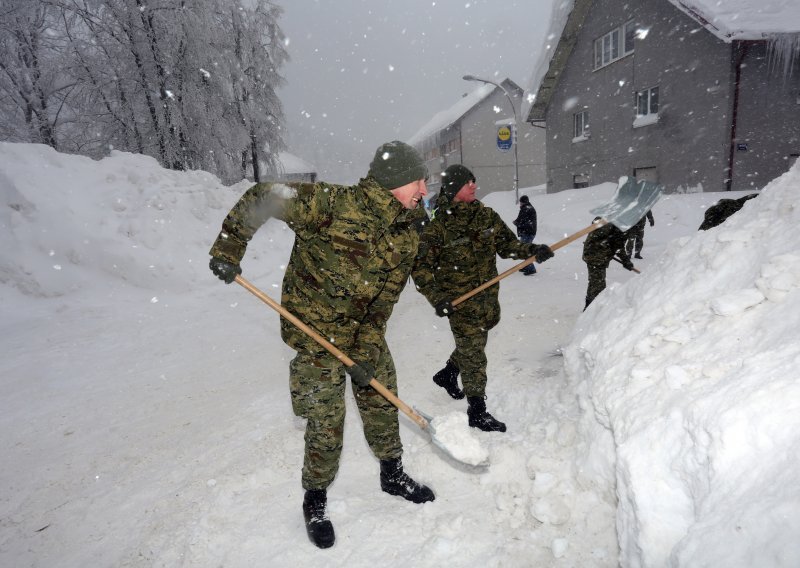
<point x="526" y="227"/>
<point x="636" y="236"/>
<point x="458" y="252"/>
<point x="352" y="256"/>
<point x="599" y="249"/>
<point x="721" y="210"/>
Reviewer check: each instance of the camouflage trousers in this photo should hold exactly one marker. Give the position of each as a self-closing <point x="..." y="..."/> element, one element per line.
<point x="317" y="384"/>
<point x="597" y="281"/>
<point x="635" y="241"/>
<point x="470" y="357"/>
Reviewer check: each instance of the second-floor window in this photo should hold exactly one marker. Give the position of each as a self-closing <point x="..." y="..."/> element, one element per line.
<point x="616" y="44"/>
<point x="647" y="102"/>
<point x="580" y="125"/>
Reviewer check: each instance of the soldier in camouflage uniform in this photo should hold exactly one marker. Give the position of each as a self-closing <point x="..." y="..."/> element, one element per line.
<point x="721" y="210"/>
<point x="352" y="256"/>
<point x="599" y="250"/>
<point x="457" y="254"/>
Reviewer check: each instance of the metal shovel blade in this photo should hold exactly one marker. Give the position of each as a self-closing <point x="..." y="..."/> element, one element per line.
<point x="450" y="449"/>
<point x="632" y="200"/>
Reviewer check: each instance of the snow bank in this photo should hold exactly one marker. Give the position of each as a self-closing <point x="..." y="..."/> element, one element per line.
<point x="688" y="376"/>
<point x="134" y="228"/>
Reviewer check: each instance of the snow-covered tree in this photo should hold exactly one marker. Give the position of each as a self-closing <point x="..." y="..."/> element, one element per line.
<point x="32" y="88"/>
<point x="191" y="83"/>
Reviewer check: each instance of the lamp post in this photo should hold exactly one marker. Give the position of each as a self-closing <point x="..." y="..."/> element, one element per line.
<point x="514" y="131"/>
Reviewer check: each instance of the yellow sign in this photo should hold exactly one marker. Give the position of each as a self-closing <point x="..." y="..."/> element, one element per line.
<point x="504" y="133"/>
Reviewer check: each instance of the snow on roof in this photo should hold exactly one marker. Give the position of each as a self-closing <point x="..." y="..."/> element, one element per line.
<point x="291" y="164"/>
<point x="744" y="19"/>
<point x="729" y="20"/>
<point x="558" y="20"/>
<point x="445" y="118"/>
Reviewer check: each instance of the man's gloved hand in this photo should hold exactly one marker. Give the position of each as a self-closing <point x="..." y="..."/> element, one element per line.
<point x="626" y="263"/>
<point x="361" y="373"/>
<point x="652" y="222"/>
<point x="225" y="271"/>
<point x="444" y="308"/>
<point x="541" y="252"/>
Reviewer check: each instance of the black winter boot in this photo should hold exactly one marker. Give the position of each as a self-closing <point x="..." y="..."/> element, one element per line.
<point x="479" y="418"/>
<point x="447" y="378"/>
<point x="395" y="481"/>
<point x="318" y="526"/>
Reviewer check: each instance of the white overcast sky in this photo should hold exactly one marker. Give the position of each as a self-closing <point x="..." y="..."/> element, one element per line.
<point x="364" y="72"/>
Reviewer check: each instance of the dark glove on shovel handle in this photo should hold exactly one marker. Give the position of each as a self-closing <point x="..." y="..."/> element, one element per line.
<point x="541" y="252"/>
<point x="224" y="270"/>
<point x="361" y="373"/>
<point x="444" y="308"/>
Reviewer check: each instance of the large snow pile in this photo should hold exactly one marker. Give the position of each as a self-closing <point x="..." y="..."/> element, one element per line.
<point x="690" y="381"/>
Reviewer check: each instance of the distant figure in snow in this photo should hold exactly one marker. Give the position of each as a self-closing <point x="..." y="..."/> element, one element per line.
<point x="721" y="210"/>
<point x="526" y="227"/>
<point x="352" y="256"/>
<point x="599" y="249"/>
<point x="457" y="253"/>
<point x="636" y="239"/>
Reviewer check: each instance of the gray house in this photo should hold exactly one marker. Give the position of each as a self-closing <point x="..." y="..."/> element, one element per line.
<point x="477" y="132"/>
<point x="671" y="91"/>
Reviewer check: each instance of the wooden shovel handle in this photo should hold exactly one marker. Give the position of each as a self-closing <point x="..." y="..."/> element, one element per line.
<point x="347" y="361"/>
<point x="563" y="242"/>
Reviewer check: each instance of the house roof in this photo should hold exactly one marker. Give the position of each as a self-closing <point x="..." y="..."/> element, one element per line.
<point x="450" y="116"/>
<point x="729" y="20"/>
<point x="744" y="19"/>
<point x="445" y="118"/>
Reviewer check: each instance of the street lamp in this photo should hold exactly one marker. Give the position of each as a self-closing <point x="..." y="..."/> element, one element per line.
<point x="514" y="132"/>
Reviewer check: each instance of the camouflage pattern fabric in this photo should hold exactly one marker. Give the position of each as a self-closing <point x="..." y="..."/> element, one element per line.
<point x="470" y="356"/>
<point x="635" y="240"/>
<point x="457" y="254"/>
<point x="353" y="252"/>
<point x="317" y="386"/>
<point x="721" y="210"/>
<point x="599" y="248"/>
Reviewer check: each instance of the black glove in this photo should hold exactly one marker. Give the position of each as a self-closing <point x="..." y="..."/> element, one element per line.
<point x="361" y="373"/>
<point x="444" y="308"/>
<point x="626" y="263"/>
<point x="652" y="222"/>
<point x="541" y="252"/>
<point x="225" y="271"/>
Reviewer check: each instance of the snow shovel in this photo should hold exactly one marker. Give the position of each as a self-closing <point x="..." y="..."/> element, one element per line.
<point x="634" y="269"/>
<point x="632" y="200"/>
<point x="424" y="422"/>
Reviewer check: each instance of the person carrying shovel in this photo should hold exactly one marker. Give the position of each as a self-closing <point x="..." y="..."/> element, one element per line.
<point x="352" y="256"/>
<point x="458" y="252"/>
<point x="601" y="247"/>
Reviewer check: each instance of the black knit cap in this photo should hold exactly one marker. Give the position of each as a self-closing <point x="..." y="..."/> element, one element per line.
<point x="453" y="179"/>
<point x="524" y="199"/>
<point x="396" y="164"/>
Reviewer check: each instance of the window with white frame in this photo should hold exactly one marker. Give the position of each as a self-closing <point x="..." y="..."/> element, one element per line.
<point x="647" y="102"/>
<point x="580" y="125"/>
<point x="646" y="107"/>
<point x="615" y="45"/>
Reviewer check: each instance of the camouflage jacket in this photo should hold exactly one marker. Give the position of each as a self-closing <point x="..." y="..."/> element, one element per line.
<point x="721" y="210"/>
<point x="458" y="252"/>
<point x="602" y="244"/>
<point x="353" y="252"/>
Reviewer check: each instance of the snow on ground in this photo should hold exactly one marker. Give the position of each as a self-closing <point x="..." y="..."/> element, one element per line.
<point x="145" y="418"/>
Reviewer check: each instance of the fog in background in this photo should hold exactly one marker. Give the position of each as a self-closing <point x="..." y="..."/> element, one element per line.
<point x="364" y="72"/>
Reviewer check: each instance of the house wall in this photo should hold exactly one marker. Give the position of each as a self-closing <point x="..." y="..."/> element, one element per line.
<point x="493" y="168"/>
<point x="767" y="121"/>
<point x="472" y="141"/>
<point x="688" y="146"/>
